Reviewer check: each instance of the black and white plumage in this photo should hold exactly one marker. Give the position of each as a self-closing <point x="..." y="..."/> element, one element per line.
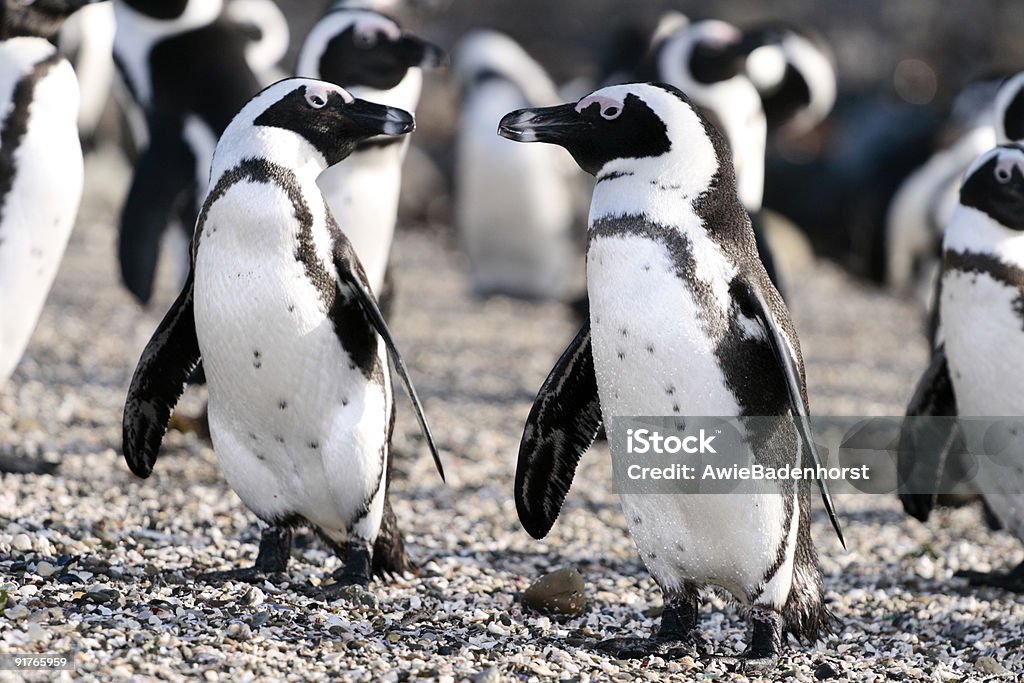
<point x="977" y="369"/>
<point x="683" y="321"/>
<point x="267" y="29"/>
<point x="793" y="71"/>
<point x="294" y="346"/>
<point x="369" y="55"/>
<point x="707" y="60"/>
<point x="40" y="173"/>
<point x="988" y="112"/>
<point x="40" y="166"/>
<point x="185" y="65"/>
<point x="515" y="206"/>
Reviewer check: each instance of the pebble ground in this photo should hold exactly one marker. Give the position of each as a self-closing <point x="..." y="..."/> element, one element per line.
<point x="96" y="562"/>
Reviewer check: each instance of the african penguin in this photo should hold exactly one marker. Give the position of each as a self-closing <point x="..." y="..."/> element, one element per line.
<point x="294" y="345"/>
<point x="683" y="321"/>
<point x="40" y="165"/>
<point x="977" y="369"/>
<point x="793" y="71"/>
<point x="185" y="66"/>
<point x="368" y="54"/>
<point x="989" y="111"/>
<point x="515" y="206"/>
<point x="707" y="60"/>
<point x="88" y="38"/>
<point x="267" y="29"/>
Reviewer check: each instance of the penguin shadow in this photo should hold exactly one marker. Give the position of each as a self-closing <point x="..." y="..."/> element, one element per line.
<point x="18" y="460"/>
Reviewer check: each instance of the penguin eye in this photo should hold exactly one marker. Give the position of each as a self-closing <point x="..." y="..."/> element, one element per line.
<point x="1003" y="175"/>
<point x="316" y="100"/>
<point x="609" y="113"/>
<point x="366" y="40"/>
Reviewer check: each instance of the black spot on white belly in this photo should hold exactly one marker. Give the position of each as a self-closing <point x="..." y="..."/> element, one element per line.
<point x="282" y="404"/>
<point x="624" y="332"/>
<point x="253" y="436"/>
<point x="314" y="445"/>
<point x="650" y="348"/>
<point x="622" y="355"/>
<point x="670" y="390"/>
<point x="279" y="439"/>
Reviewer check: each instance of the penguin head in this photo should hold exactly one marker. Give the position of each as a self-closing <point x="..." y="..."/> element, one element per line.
<point x="794" y="73"/>
<point x="994" y="185"/>
<point x="1009" y="110"/>
<point x="702" y="53"/>
<point x="650" y="130"/>
<point x="484" y="56"/>
<point x="37" y="18"/>
<point x="305" y="123"/>
<point x="362" y="48"/>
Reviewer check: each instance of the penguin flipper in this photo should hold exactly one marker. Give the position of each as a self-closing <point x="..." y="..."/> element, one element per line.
<point x="925" y="447"/>
<point x="165" y="171"/>
<point x="562" y="425"/>
<point x="159" y="380"/>
<point x="787" y="361"/>
<point x="352" y="283"/>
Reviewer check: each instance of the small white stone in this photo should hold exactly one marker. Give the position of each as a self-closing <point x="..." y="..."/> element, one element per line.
<point x="45" y="569"/>
<point x="22" y="543"/>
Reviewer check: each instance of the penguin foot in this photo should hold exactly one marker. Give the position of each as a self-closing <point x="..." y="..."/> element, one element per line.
<point x="243" y="575"/>
<point x="641" y="648"/>
<point x="271" y="562"/>
<point x="750" y="662"/>
<point x="1012" y="580"/>
<point x="354" y="572"/>
<point x="762" y="651"/>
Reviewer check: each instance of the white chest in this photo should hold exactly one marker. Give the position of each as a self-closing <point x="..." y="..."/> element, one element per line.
<point x="40" y="206"/>
<point x="983" y="324"/>
<point x="297" y="426"/>
<point x="651" y="354"/>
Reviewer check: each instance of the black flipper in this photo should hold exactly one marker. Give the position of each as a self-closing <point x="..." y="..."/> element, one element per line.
<point x="562" y="425"/>
<point x="794" y="386"/>
<point x="166" y="363"/>
<point x="924" y="447"/>
<point x="352" y="283"/>
<point x="164" y="173"/>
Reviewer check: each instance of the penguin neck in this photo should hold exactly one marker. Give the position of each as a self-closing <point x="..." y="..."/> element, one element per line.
<point x="661" y="193"/>
<point x="286" y="151"/>
<point x="975" y="232"/>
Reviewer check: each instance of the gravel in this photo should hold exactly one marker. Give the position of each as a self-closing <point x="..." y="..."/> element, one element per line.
<point x="99" y="563"/>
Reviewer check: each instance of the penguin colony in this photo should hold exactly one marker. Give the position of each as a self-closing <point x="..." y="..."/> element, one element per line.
<point x="287" y="190"/>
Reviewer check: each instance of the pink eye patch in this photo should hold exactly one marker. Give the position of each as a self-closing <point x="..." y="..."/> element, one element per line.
<point x="1007" y="161"/>
<point x="610" y="108"/>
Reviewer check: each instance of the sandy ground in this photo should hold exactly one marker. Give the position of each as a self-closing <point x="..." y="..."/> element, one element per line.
<point x="97" y="562"/>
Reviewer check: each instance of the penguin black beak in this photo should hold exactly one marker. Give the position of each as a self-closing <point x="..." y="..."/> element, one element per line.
<point x="377" y="119"/>
<point x="555" y="125"/>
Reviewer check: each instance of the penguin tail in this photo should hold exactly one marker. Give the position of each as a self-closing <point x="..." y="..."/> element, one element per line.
<point x="805" y="614"/>
<point x="389" y="554"/>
